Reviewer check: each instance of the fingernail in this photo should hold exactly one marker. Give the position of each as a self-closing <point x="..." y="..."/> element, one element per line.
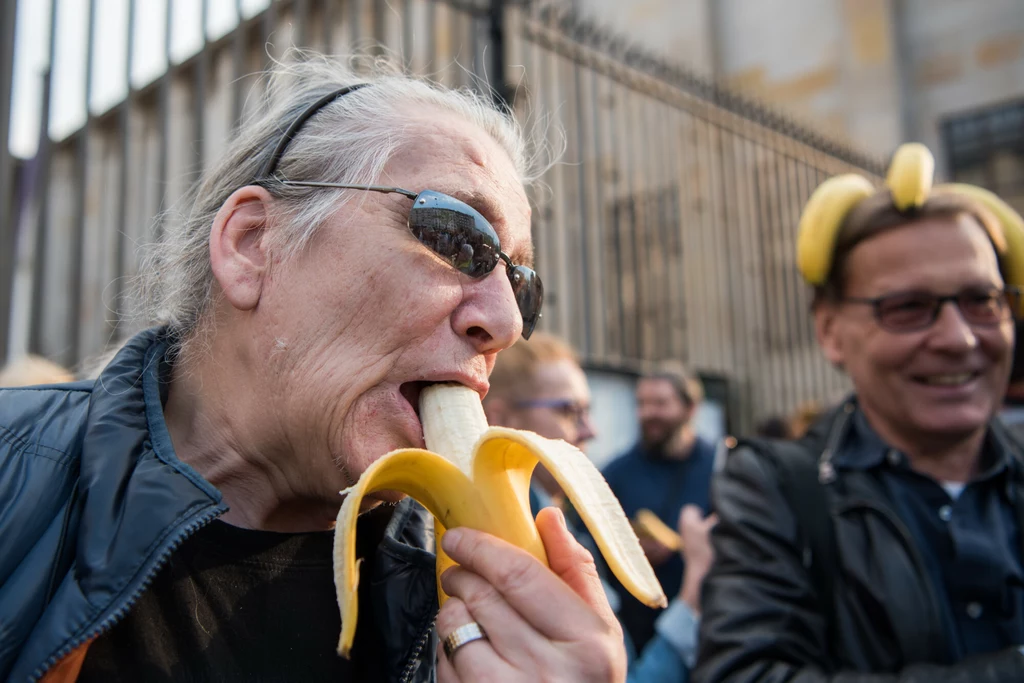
<point x="450" y="539"/>
<point x="561" y="518"/>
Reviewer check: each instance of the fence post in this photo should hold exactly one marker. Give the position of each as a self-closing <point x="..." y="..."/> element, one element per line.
<point x="8" y="212"/>
<point x="499" y="87"/>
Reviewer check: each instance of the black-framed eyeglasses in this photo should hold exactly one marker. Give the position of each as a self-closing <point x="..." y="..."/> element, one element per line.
<point x="450" y="228"/>
<point x="569" y="408"/>
<point x="915" y="311"/>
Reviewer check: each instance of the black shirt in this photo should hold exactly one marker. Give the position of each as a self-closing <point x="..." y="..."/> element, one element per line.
<point x="969" y="540"/>
<point x="240" y="605"/>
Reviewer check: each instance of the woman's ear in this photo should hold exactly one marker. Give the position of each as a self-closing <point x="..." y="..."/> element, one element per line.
<point x="238" y="246"/>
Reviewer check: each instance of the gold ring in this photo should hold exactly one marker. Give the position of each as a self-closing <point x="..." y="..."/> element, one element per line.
<point x="466" y="633"/>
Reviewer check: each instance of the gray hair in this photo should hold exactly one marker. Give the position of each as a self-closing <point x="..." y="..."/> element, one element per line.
<point x="348" y="141"/>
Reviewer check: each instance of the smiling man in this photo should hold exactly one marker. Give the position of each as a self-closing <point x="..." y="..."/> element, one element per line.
<point x="885" y="545"/>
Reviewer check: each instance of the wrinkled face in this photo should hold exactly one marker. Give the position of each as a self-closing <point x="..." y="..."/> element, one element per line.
<point x="350" y="329"/>
<point x="660" y="410"/>
<point x="561" y="404"/>
<point x="943" y="381"/>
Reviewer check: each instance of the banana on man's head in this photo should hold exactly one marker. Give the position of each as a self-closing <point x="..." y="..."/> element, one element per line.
<point x="847" y="209"/>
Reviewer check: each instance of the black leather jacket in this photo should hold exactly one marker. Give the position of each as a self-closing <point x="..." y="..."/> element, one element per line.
<point x="93" y="502"/>
<point x="761" y="617"/>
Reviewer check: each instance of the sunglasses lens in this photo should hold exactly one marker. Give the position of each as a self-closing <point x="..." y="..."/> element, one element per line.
<point x="529" y="291"/>
<point x="456" y="232"/>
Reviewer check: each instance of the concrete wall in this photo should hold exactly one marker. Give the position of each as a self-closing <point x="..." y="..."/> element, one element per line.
<point x="873" y="73"/>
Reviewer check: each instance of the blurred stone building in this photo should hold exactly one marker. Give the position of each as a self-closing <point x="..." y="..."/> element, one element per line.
<point x="949" y="73"/>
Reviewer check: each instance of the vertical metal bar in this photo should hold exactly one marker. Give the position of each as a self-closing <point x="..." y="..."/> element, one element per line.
<point x="327" y="24"/>
<point x="686" y="204"/>
<point x="163" y="107"/>
<point x="238" y="66"/>
<point x="202" y="70"/>
<point x="668" y="216"/>
<point x="408" y="36"/>
<point x="301" y="10"/>
<point x="785" y="285"/>
<point x="39" y="298"/>
<point x="584" y="255"/>
<point x="600" y="215"/>
<point x="78" y="235"/>
<point x="769" y="289"/>
<point x="431" y="35"/>
<point x="124" y="122"/>
<point x="355" y="9"/>
<point x="8" y="219"/>
<point x="268" y="25"/>
<point x="733" y="263"/>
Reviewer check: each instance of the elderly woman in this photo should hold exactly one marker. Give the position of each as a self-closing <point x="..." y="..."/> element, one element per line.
<point x="171" y="521"/>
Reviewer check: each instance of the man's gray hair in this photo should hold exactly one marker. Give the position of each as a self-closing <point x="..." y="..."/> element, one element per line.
<point x="348" y="141"/>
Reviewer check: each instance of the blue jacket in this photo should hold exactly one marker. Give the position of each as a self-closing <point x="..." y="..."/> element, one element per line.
<point x="93" y="501"/>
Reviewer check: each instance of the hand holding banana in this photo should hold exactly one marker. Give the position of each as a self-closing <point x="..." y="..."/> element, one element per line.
<point x="479" y="477"/>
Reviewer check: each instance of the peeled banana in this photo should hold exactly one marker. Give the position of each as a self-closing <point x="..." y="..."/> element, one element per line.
<point x="479" y="477"/>
<point x="651" y="525"/>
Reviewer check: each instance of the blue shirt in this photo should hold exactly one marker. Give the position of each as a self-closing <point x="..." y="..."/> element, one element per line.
<point x="969" y="540"/>
<point x="642" y="479"/>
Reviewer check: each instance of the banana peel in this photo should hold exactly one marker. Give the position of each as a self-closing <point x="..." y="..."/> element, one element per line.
<point x="479" y="477"/>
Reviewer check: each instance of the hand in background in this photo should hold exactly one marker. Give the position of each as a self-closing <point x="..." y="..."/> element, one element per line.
<point x="697" y="553"/>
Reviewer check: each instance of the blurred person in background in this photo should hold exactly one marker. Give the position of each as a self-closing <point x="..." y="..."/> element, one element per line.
<point x="669" y="468"/>
<point x="538" y="385"/>
<point x="886" y="544"/>
<point x="31" y="370"/>
<point x="363" y="234"/>
<point x="803" y="417"/>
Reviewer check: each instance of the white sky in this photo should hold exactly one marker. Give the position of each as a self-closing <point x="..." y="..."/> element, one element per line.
<point x="67" y="104"/>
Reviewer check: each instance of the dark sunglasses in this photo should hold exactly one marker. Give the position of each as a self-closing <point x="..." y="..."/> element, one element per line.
<point x="916" y="311"/>
<point x="464" y="239"/>
<point x="450" y="228"/>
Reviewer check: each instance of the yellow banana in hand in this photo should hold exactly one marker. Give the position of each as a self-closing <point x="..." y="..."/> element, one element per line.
<point x="478" y="477"/>
<point x="820" y="222"/>
<point x="650" y="524"/>
<point x="910" y="176"/>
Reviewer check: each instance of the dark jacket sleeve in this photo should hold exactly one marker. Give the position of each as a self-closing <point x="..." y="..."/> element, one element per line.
<point x="761" y="620"/>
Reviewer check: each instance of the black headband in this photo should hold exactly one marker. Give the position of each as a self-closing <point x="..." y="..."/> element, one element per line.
<point x="268" y="168"/>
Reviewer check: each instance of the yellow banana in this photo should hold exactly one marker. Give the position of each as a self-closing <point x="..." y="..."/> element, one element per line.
<point x="650" y="524"/>
<point x="478" y="477"/>
<point x="820" y="222"/>
<point x="910" y="176"/>
<point x="1012" y="249"/>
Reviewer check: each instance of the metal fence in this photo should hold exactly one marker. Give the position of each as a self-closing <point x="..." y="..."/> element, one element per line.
<point x="667" y="232"/>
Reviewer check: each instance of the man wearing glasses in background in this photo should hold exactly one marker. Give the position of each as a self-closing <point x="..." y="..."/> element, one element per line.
<point x="538" y="385"/>
<point x="885" y="545"/>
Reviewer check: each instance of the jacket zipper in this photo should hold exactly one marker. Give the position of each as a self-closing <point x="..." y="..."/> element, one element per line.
<point x="119" y="614"/>
<point x="414" y="656"/>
